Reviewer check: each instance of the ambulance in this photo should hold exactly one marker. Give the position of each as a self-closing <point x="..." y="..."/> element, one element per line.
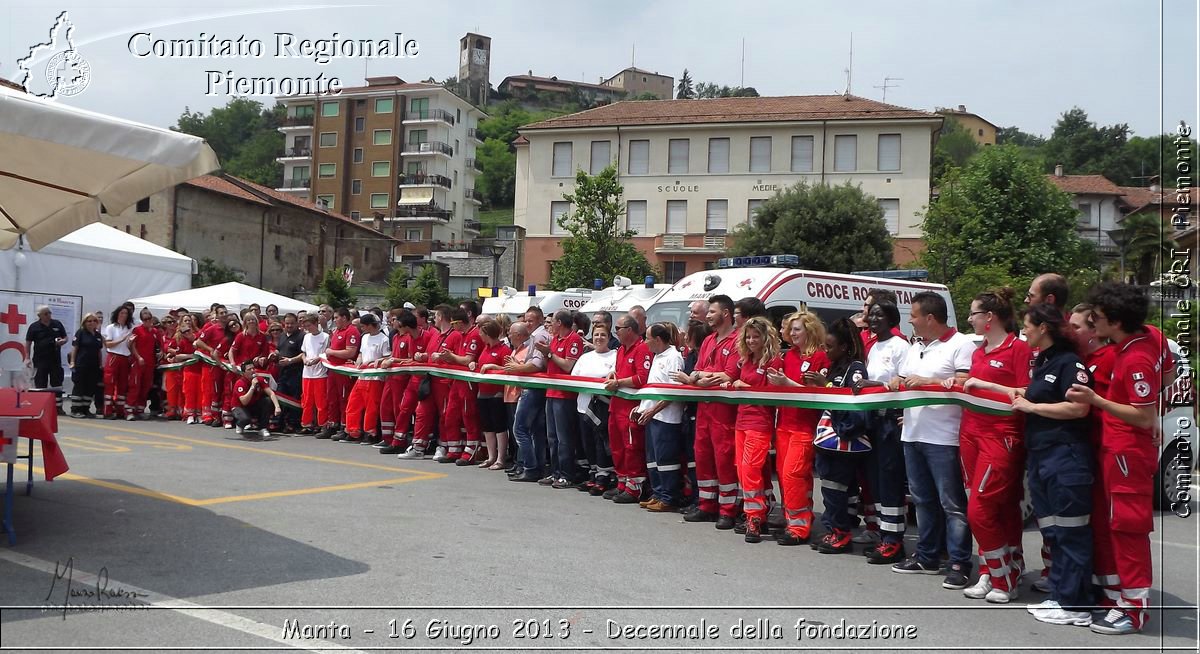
<point x="622" y="296"/>
<point x="786" y="289"/>
<point x="514" y="303"/>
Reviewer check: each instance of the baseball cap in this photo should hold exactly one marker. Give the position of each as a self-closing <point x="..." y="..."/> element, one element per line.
<point x="368" y="319"/>
<point x="409" y="305"/>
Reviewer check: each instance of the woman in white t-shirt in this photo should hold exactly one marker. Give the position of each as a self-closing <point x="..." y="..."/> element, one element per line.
<point x="886" y="468"/>
<point x="664" y="422"/>
<point x="593" y="413"/>
<point x="312" y="389"/>
<point x="117" y="362"/>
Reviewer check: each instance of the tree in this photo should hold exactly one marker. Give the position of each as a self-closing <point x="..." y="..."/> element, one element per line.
<point x="1014" y="136"/>
<point x="397" y="292"/>
<point x="645" y="95"/>
<point x="1149" y="245"/>
<point x="976" y="279"/>
<point x="597" y="246"/>
<point x="684" y="88"/>
<point x="427" y="290"/>
<point x="209" y="272"/>
<point x="334" y="290"/>
<point x="954" y="147"/>
<point x="708" y="90"/>
<point x="1083" y="148"/>
<point x="498" y="180"/>
<point x="1001" y="210"/>
<point x="831" y="228"/>
<point x="244" y="135"/>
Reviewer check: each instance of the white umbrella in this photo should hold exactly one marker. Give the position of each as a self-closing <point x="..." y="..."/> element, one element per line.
<point x="234" y="295"/>
<point x="59" y="163"/>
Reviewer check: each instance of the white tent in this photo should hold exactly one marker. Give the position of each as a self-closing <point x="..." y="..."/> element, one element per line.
<point x="234" y="295"/>
<point x="104" y="265"/>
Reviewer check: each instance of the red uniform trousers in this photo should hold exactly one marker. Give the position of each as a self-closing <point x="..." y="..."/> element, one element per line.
<point x="627" y="440"/>
<point x="993" y="470"/>
<point x="337" y="393"/>
<point x="212" y="390"/>
<point x="471" y="420"/>
<point x="116" y="383"/>
<point x="408" y="407"/>
<point x="453" y="419"/>
<point x="314" y="411"/>
<point x="439" y="398"/>
<point x="141" y="378"/>
<point x="716" y="464"/>
<point x="230" y="397"/>
<point x="427" y="417"/>
<point x="389" y="407"/>
<point x="193" y="379"/>
<point x="362" y="407"/>
<point x="794" y="456"/>
<point x="173" y="386"/>
<point x="753" y="448"/>
<point x="1121" y="524"/>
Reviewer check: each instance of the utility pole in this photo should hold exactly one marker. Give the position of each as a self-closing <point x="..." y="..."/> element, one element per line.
<point x="850" y="69"/>
<point x="887" y="84"/>
<point x="742" y="81"/>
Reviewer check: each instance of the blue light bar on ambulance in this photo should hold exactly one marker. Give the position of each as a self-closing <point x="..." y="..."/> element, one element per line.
<point x="912" y="275"/>
<point x="759" y="261"/>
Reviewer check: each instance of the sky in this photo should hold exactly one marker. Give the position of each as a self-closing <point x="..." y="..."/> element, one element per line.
<point x="1015" y="62"/>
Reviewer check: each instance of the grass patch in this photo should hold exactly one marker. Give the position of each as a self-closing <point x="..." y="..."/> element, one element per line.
<point x="488" y="220"/>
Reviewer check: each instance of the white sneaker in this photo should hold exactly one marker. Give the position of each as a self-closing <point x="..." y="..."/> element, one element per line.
<point x="981" y="588"/>
<point x="265" y="433"/>
<point x="998" y="596"/>
<point x="865" y="537"/>
<point x="1042" y="585"/>
<point x="191" y="420"/>
<point x="238" y="430"/>
<point x="1062" y="616"/>
<point x="440" y="454"/>
<point x="1044" y="605"/>
<point x="130" y="417"/>
<point x="411" y="453"/>
<point x="228" y="425"/>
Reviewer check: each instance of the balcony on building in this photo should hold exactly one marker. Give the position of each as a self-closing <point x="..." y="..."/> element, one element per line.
<point x="473" y="196"/>
<point x="473" y="164"/>
<point x="296" y="123"/>
<point x="472" y="225"/>
<point x="474" y="135"/>
<point x="422" y="213"/>
<point x="294" y="153"/>
<point x="289" y="184"/>
<point x="429" y="116"/>
<point x="427" y="148"/>
<point x="424" y="179"/>
<point x="689" y="243"/>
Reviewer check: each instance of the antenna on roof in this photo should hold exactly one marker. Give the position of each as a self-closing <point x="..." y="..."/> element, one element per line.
<point x="742" y="81"/>
<point x="633" y="56"/>
<point x="887" y="84"/>
<point x="850" y="69"/>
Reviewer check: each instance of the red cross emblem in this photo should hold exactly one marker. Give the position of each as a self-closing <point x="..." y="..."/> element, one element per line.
<point x="13" y="318"/>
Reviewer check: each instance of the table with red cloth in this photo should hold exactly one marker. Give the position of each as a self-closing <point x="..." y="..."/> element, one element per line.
<point x="36" y="418"/>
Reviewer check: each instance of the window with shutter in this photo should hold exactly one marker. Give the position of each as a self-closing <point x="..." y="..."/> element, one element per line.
<point x="889" y="152"/>
<point x="677" y="155"/>
<point x="562" y="160"/>
<point x="751" y="207"/>
<point x="601" y="152"/>
<point x="676" y="216"/>
<point x="845" y="153"/>
<point x="760" y="154"/>
<point x="891" y="215"/>
<point x="802" y="154"/>
<point x="716" y="219"/>
<point x="557" y="209"/>
<point x="635" y="216"/>
<point x="718" y="155"/>
<point x="639" y="157"/>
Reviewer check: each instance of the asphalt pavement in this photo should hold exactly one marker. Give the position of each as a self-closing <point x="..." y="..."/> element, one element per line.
<point x="165" y="536"/>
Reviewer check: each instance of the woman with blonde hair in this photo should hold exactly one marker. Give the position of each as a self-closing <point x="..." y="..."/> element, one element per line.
<point x="758" y="346"/>
<point x="797" y="427"/>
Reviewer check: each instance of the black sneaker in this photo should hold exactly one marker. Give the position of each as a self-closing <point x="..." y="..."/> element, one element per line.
<point x="699" y="515"/>
<point x="393" y="449"/>
<point x="724" y="523"/>
<point x="754" y="530"/>
<point x="339" y="437"/>
<point x="956" y="577"/>
<point x="913" y="565"/>
<point x="790" y="539"/>
<point x="609" y="494"/>
<point x="625" y="498"/>
<point x="890" y="553"/>
<point x="325" y="434"/>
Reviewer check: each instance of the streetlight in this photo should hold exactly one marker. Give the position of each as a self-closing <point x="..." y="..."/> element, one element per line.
<point x="1119" y="239"/>
<point x="495" y="251"/>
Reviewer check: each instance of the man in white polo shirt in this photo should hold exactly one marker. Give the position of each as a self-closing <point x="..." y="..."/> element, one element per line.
<point x="930" y="440"/>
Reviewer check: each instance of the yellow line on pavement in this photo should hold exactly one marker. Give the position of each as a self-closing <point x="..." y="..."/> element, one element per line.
<point x="291" y="455"/>
<point x="124" y="488"/>
<point x="306" y="491"/>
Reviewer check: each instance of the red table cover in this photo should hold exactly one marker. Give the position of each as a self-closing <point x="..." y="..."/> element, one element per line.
<point x="39" y="421"/>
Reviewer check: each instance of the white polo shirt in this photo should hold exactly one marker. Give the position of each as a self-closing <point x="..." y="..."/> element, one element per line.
<point x="373" y="347"/>
<point x="665" y="363"/>
<point x="939" y="359"/>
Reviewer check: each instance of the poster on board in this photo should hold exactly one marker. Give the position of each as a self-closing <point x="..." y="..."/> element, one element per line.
<point x="18" y="310"/>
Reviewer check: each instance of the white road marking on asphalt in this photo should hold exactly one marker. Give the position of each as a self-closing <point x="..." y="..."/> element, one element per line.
<point x="191" y="609"/>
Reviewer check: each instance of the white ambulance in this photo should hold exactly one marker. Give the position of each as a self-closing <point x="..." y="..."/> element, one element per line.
<point x="784" y="290"/>
<point x="515" y="303"/>
<point x="622" y="296"/>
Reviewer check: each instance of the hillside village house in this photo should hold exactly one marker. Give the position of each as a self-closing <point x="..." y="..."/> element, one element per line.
<point x="694" y="169"/>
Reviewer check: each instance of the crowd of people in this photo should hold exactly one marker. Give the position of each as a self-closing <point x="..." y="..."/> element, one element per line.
<point x="1083" y="382"/>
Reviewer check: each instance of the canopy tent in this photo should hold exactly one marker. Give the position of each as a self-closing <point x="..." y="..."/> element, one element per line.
<point x="100" y="263"/>
<point x="59" y="163"/>
<point x="234" y="295"/>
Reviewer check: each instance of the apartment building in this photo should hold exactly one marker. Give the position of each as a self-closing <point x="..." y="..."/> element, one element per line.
<point x="635" y="81"/>
<point x="397" y="156"/>
<point x="694" y="169"/>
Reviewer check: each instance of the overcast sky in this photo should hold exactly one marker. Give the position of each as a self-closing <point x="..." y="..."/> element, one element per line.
<point x="1015" y="62"/>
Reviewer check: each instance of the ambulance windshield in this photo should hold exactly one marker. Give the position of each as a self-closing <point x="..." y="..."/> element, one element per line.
<point x="674" y="312"/>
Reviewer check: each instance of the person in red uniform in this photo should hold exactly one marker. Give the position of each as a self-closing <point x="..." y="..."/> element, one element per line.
<point x="627" y="438"/>
<point x="562" y="434"/>
<point x="206" y="340"/>
<point x="758" y="351"/>
<point x="362" y="407"/>
<point x="472" y="348"/>
<point x="1128" y="456"/>
<point x="183" y="350"/>
<point x="452" y="423"/>
<point x="343" y="349"/>
<point x="492" y="413"/>
<point x="797" y="427"/>
<point x="426" y="341"/>
<point x="1099" y="356"/>
<point x="992" y="449"/>
<point x="233" y="327"/>
<point x="254" y="402"/>
<point x="118" y="362"/>
<point x="143" y="343"/>
<point x="250" y="345"/>
<point x="715" y="451"/>
<point x="395" y="409"/>
<point x="172" y="379"/>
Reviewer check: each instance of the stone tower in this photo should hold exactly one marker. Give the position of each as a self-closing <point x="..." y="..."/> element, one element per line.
<point x="474" y="66"/>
